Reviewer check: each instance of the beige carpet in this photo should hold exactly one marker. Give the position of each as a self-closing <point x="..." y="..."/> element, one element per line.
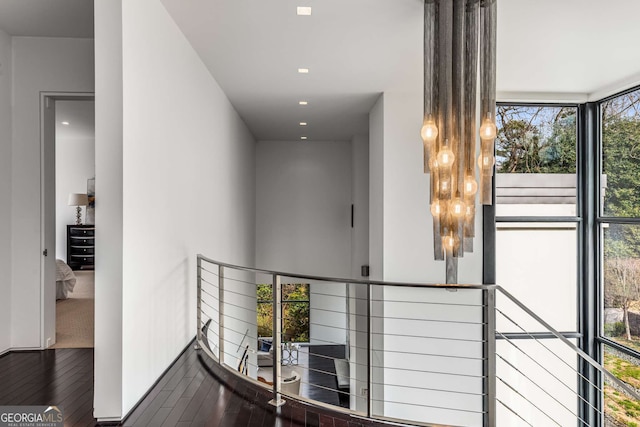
<point x="75" y="315"/>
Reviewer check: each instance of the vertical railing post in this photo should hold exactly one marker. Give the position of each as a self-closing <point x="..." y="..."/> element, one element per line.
<point x="489" y="339"/>
<point x="221" y="314"/>
<point x="276" y="340"/>
<point x="199" y="304"/>
<point x="369" y="367"/>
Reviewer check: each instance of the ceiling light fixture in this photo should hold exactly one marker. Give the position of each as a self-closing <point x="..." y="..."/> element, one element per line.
<point x="303" y="123"/>
<point x="303" y="137"/>
<point x="303" y="70"/>
<point x="458" y="34"/>
<point x="303" y="103"/>
<point x="304" y="10"/>
<point x="65" y="123"/>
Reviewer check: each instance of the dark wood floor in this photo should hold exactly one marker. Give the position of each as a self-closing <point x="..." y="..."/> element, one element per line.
<point x="322" y="373"/>
<point x="62" y="377"/>
<point x="195" y="391"/>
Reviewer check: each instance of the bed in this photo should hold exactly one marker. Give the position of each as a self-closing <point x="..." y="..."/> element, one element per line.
<point x="65" y="280"/>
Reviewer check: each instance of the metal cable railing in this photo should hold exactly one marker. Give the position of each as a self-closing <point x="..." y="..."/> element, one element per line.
<point x="411" y="353"/>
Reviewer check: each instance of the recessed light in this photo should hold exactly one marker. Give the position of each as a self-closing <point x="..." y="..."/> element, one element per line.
<point x="65" y="123"/>
<point x="303" y="137"/>
<point x="303" y="123"/>
<point x="303" y="103"/>
<point x="303" y="70"/>
<point x="304" y="10"/>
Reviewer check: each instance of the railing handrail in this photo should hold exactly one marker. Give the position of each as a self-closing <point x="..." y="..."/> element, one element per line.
<point x="345" y="280"/>
<point x="487" y="287"/>
<point x="571" y="345"/>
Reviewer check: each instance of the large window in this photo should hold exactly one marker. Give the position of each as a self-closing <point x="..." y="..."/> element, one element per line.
<point x="543" y="230"/>
<point x="536" y="230"/>
<point x="536" y="161"/>
<point x="295" y="311"/>
<point x="620" y="250"/>
<point x="537" y="251"/>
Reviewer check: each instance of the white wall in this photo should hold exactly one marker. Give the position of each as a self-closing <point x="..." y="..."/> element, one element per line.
<point x="328" y="314"/>
<point x="360" y="197"/>
<point x="187" y="186"/>
<point x="108" y="380"/>
<point x="376" y="189"/>
<point x="408" y="230"/>
<point x="39" y="64"/>
<point x="359" y="257"/>
<point x="75" y="164"/>
<point x="521" y="250"/>
<point x="401" y="239"/>
<point x="303" y="207"/>
<point x="5" y="191"/>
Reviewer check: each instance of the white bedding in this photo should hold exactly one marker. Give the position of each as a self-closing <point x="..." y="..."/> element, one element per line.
<point x="65" y="280"/>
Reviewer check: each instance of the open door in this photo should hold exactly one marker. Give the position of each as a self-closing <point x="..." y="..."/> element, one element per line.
<point x="48" y="220"/>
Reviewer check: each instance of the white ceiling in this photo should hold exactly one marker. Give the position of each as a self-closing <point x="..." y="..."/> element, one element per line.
<point x="567" y="46"/>
<point x="47" y="18"/>
<point x="357" y="49"/>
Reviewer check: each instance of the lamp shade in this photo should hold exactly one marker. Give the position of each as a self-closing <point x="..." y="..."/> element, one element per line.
<point x="78" y="199"/>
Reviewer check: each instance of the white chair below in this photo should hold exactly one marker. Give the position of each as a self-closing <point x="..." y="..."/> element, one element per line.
<point x="291" y="385"/>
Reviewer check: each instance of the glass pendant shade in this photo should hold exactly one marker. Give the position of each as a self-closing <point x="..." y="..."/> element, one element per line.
<point x="429" y="131"/>
<point x="459" y="114"/>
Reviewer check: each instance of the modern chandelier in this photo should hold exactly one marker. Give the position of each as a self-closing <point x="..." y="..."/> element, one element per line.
<point x="459" y="50"/>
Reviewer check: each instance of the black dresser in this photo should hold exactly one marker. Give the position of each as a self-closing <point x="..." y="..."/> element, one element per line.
<point x="81" y="246"/>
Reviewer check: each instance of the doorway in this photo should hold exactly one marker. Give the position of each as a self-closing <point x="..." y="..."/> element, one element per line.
<point x="68" y="182"/>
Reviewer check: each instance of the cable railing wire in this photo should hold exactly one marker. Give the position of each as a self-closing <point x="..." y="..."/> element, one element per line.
<point x="384" y="350"/>
<point x="236" y="280"/>
<point x="547" y="348"/>
<point x="215" y="297"/>
<point x="353" y="297"/>
<point x="545" y="391"/>
<point x="209" y="305"/>
<point x="375" y="359"/>
<point x="393" y="335"/>
<point x="523" y="397"/>
<point x="463" y="322"/>
<point x="439" y="390"/>
<point x="241" y="294"/>
<point x="513" y="412"/>
<point x="546" y="370"/>
<point x="428" y="406"/>
<point x="536" y="340"/>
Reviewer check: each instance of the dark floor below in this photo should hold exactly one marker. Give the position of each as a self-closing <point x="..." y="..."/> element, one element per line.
<point x="62" y="377"/>
<point x="194" y="391"/>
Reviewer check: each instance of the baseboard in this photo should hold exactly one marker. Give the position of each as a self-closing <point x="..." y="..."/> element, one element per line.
<point x="19" y="349"/>
<point x="106" y="422"/>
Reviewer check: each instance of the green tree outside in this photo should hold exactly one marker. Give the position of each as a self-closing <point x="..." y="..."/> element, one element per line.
<point x="295" y="311"/>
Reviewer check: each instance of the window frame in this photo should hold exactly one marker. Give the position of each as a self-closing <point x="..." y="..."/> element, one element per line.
<point x="307" y="302"/>
<point x="601" y="219"/>
<point x="589" y="222"/>
<point x="577" y="219"/>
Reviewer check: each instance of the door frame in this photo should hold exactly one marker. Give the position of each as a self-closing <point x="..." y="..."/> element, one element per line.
<point x="48" y="208"/>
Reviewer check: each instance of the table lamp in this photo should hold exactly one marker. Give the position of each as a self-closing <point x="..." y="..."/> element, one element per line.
<point x="78" y="200"/>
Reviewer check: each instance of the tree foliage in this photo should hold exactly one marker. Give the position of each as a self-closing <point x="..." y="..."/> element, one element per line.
<point x="621" y="173"/>
<point x="543" y="139"/>
<point x="621" y="169"/>
<point x="623" y="286"/>
<point x="295" y="311"/>
<point x="536" y="139"/>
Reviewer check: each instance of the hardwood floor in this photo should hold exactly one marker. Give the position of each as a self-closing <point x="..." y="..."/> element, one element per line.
<point x="62" y="377"/>
<point x="323" y="373"/>
<point x="194" y="391"/>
